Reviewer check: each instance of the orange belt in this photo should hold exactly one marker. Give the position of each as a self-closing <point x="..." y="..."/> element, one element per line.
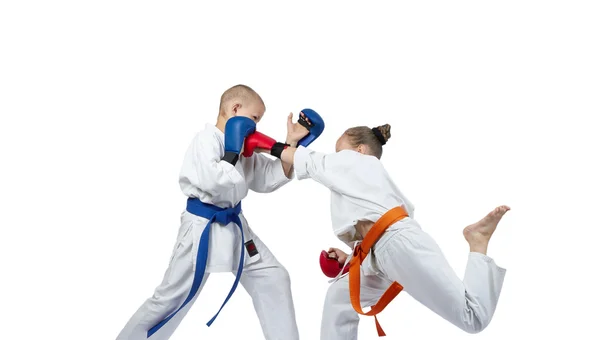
<point x="360" y="253"/>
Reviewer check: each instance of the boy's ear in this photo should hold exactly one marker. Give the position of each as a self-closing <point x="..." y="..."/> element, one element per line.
<point x="235" y="108"/>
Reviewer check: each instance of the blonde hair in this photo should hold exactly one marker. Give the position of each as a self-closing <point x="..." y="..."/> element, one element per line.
<point x="374" y="138"/>
<point x="241" y="93"/>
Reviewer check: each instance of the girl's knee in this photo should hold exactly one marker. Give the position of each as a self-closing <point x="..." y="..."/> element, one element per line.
<point x="474" y="320"/>
<point x="338" y="293"/>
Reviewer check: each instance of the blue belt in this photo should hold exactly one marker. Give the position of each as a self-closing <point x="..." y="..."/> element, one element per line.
<point x="215" y="215"/>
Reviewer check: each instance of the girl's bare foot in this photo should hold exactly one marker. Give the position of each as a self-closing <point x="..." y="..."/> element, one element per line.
<point x="478" y="235"/>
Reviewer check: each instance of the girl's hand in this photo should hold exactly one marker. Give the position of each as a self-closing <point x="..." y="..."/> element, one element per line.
<point x="337" y="254"/>
<point x="295" y="131"/>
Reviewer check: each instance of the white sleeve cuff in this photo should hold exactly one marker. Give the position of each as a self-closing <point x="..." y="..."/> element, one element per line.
<point x="301" y="158"/>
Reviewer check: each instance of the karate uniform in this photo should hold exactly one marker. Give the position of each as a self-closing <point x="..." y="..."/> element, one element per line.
<point x="362" y="190"/>
<point x="219" y="183"/>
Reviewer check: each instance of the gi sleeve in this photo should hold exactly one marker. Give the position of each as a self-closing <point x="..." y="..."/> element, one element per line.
<point x="267" y="174"/>
<point x="331" y="170"/>
<point x="205" y="170"/>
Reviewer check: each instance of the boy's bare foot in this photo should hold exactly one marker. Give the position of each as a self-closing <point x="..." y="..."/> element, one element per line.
<point x="478" y="235"/>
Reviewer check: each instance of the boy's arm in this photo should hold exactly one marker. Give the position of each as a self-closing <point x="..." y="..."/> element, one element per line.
<point x="205" y="170"/>
<point x="268" y="174"/>
<point x="266" y="177"/>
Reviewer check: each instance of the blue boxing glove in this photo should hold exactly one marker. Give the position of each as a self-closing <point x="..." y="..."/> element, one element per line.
<point x="315" y="127"/>
<point x="236" y="131"/>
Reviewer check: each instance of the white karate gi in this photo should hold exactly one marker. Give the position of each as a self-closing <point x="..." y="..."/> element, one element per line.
<point x="204" y="176"/>
<point x="361" y="189"/>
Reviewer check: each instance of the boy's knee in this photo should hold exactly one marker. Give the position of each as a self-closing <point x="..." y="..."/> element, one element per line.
<point x="284" y="276"/>
<point x="165" y="295"/>
<point x="278" y="277"/>
<point x="159" y="301"/>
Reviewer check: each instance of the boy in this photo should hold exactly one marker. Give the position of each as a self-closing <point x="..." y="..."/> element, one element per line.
<point x="216" y="182"/>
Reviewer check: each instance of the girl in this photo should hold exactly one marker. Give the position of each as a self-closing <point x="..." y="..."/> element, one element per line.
<point x="367" y="207"/>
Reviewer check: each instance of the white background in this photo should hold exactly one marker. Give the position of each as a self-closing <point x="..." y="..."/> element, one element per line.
<point x="489" y="103"/>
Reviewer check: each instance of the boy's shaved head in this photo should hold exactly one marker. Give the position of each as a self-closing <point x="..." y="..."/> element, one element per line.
<point x="239" y="94"/>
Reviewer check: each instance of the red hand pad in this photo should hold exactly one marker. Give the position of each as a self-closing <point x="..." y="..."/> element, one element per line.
<point x="330" y="267"/>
